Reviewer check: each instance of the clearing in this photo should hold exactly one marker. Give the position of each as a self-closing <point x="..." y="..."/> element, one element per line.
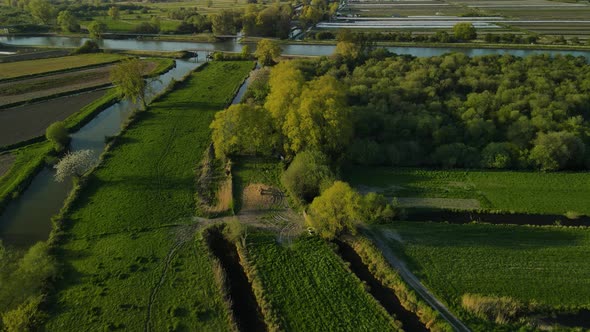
<point x="506" y="191"/>
<point x="131" y="254"/>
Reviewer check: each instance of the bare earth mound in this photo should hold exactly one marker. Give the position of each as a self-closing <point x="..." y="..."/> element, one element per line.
<point x="6" y="161"/>
<point x="259" y="197"/>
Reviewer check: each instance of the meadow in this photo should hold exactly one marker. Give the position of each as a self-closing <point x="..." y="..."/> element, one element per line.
<point x="310" y="289"/>
<point x="34" y="67"/>
<point x="544" y="265"/>
<point x="505" y="191"/>
<point x="130" y="253"/>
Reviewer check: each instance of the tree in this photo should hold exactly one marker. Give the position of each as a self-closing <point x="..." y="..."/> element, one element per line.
<point x="245" y="52"/>
<point x="307" y="174"/>
<point x="127" y="76"/>
<point x="322" y="121"/>
<point x="285" y="83"/>
<point x="499" y="155"/>
<point x="67" y="21"/>
<point x="58" y="135"/>
<point x="464" y="31"/>
<point x="96" y="29"/>
<point x="267" y="51"/>
<point x="243" y="129"/>
<point x="222" y="23"/>
<point x="375" y="209"/>
<point x="74" y="164"/>
<point x="558" y="150"/>
<point x="42" y="10"/>
<point x="114" y="12"/>
<point x="335" y="211"/>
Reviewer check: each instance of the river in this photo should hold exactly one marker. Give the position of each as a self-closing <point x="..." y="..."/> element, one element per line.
<point x="233" y="46"/>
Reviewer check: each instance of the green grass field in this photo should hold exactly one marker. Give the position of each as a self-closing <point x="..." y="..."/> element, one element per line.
<point x="310" y="289"/>
<point x="131" y="245"/>
<point x="128" y="23"/>
<point x="547" y="265"/>
<point x="32" y="67"/>
<point x="526" y="192"/>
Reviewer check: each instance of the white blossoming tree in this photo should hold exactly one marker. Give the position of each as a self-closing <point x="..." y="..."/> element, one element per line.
<point x="74" y="164"/>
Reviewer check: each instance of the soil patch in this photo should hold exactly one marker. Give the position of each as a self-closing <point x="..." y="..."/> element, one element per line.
<point x="6" y="161"/>
<point x="384" y="295"/>
<point x="243" y="303"/>
<point x="259" y="197"/>
<point x="29" y="121"/>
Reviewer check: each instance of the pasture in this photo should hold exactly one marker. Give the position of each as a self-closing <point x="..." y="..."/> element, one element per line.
<point x="505" y="191"/>
<point x="545" y="265"/>
<point x="310" y="289"/>
<point x="131" y="255"/>
<point x="34" y="67"/>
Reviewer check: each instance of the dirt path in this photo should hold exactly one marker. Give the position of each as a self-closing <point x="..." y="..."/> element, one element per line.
<point x="414" y="282"/>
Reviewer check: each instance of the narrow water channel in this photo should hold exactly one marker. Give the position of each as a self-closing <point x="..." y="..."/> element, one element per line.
<point x="243" y="302"/>
<point x="26" y="219"/>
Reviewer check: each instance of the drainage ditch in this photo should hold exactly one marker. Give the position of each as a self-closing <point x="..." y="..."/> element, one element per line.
<point x="243" y="302"/>
<point x="384" y="295"/>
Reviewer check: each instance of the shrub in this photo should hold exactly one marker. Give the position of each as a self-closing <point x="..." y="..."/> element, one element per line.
<point x="502" y="310"/>
<point x="306" y="175"/>
<point x="335" y="211"/>
<point x="23" y="318"/>
<point x="58" y="135"/>
<point x="90" y="46"/>
<point x="375" y="208"/>
<point x="74" y="164"/>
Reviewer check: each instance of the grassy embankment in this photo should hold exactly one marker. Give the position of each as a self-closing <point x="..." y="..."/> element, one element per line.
<point x="307" y="287"/>
<point x="505" y="191"/>
<point x="31" y="158"/>
<point x="43" y="66"/>
<point x="130" y="243"/>
<point x="542" y="265"/>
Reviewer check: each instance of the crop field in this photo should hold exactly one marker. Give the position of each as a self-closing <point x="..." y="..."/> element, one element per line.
<point x="33" y="67"/>
<point x="62" y="83"/>
<point x="310" y="289"/>
<point x="547" y="265"/>
<point x="541" y="17"/>
<point x="30" y="120"/>
<point x="131" y="253"/>
<point x="526" y="192"/>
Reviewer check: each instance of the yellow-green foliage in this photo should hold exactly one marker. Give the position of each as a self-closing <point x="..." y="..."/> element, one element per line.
<point x="335" y="211"/>
<point x="502" y="310"/>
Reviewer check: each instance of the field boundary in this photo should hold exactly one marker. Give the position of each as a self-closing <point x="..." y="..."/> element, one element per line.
<point x="59" y="71"/>
<point x="415" y="283"/>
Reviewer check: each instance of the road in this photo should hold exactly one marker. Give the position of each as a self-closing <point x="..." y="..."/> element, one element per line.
<point x="414" y="282"/>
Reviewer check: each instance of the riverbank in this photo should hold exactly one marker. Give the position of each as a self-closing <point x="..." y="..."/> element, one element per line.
<point x="145" y="220"/>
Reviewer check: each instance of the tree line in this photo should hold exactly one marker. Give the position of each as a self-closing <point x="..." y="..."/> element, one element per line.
<point x="366" y="106"/>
